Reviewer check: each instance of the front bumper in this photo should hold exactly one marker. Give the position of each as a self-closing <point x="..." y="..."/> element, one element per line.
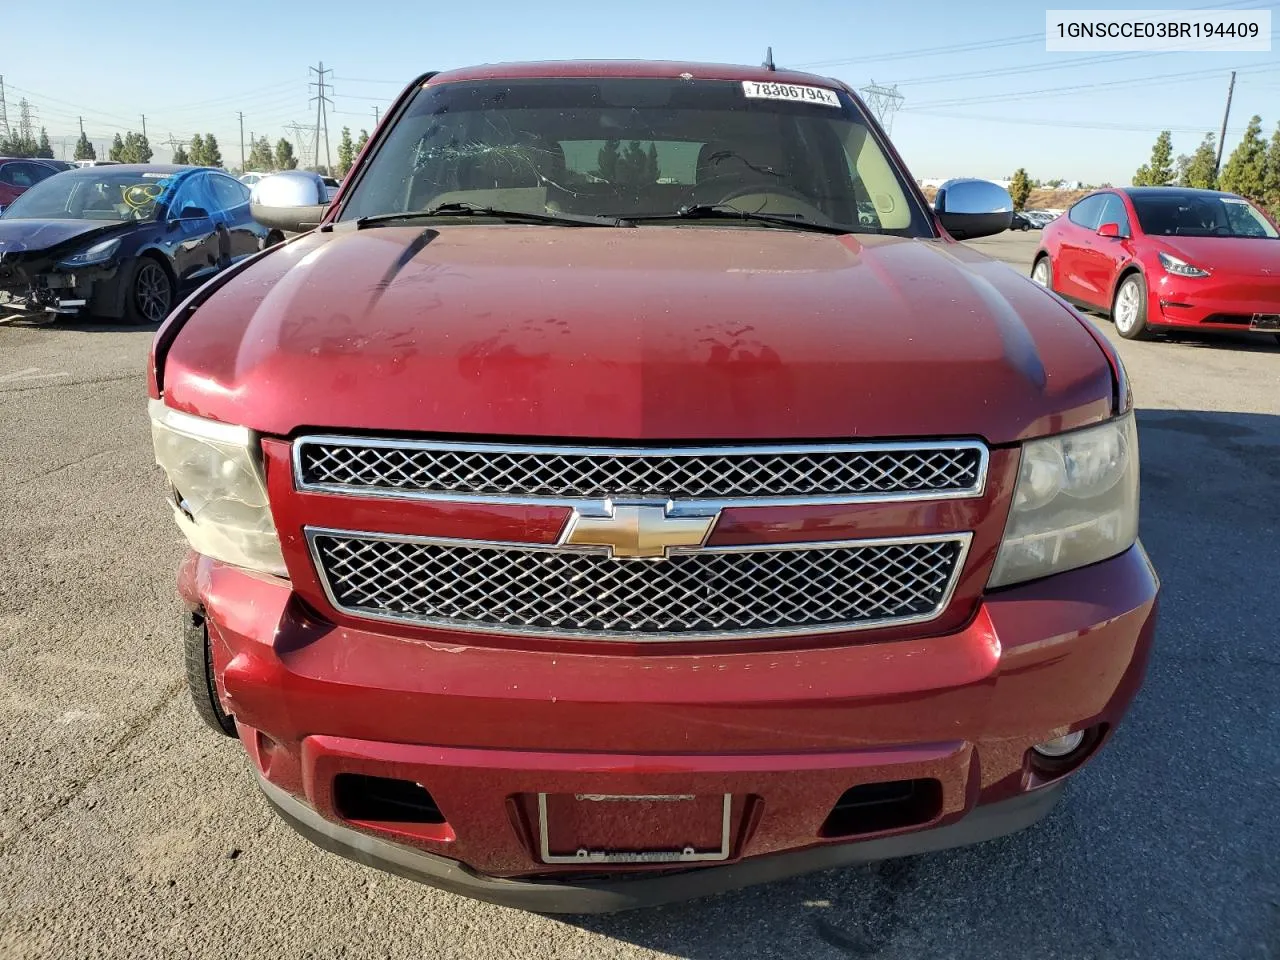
<point x="53" y="290"/>
<point x="784" y="734"/>
<point x="609" y="896"/>
<point x="1214" y="303"/>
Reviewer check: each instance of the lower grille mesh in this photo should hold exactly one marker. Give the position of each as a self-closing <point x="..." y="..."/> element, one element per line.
<point x="762" y="591"/>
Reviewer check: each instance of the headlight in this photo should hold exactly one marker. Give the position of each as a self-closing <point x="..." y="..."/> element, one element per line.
<point x="98" y="253"/>
<point x="220" y="499"/>
<point x="1180" y="268"/>
<point x="1075" y="503"/>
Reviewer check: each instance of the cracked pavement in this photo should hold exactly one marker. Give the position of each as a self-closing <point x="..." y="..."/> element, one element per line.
<point x="128" y="830"/>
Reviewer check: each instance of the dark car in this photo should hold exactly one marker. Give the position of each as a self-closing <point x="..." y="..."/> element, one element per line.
<point x="123" y="241"/>
<point x="17" y="174"/>
<point x="1021" y="222"/>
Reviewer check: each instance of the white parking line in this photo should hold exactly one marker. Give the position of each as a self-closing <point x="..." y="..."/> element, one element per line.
<point x="31" y="373"/>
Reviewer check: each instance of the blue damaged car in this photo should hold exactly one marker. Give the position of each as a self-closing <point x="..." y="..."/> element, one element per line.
<point x="123" y="242"/>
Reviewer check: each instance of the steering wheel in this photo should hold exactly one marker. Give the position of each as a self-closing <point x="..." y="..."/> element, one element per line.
<point x="702" y="193"/>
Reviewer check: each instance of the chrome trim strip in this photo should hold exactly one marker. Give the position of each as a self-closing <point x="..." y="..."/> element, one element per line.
<point x="687" y="855"/>
<point x="588" y="504"/>
<point x="965" y="539"/>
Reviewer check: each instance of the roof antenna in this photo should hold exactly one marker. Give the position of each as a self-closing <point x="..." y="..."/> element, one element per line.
<point x="768" y="60"/>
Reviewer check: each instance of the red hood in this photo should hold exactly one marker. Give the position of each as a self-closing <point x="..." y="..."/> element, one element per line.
<point x="1242" y="256"/>
<point x="654" y="333"/>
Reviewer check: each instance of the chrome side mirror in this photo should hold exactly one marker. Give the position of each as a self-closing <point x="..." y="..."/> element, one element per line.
<point x="292" y="200"/>
<point x="973" y="208"/>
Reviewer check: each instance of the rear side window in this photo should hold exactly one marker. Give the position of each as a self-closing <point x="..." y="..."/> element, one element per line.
<point x="1087" y="212"/>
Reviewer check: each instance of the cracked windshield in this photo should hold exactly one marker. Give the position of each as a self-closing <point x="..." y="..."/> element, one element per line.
<point x="638" y="148"/>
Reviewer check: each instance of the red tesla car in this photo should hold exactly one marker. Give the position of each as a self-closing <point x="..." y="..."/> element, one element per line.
<point x="17" y="174"/>
<point x="1157" y="257"/>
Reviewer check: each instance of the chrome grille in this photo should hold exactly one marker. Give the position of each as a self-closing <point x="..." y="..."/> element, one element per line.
<point x="847" y="472"/>
<point x="703" y="593"/>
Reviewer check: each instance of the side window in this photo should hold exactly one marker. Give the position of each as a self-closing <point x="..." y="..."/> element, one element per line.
<point x="41" y="172"/>
<point x="1113" y="212"/>
<point x="229" y="193"/>
<point x="193" y="195"/>
<point x="1087" y="212"/>
<point x="6" y="174"/>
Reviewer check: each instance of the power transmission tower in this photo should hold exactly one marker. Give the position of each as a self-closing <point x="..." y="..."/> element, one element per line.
<point x="1217" y="163"/>
<point x="25" y="121"/>
<point x="4" y="113"/>
<point x="322" y="113"/>
<point x="883" y="101"/>
<point x="301" y="144"/>
<point x="174" y="145"/>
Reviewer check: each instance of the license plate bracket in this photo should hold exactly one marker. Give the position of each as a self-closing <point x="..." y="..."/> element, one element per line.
<point x="1265" y="322"/>
<point x="586" y="828"/>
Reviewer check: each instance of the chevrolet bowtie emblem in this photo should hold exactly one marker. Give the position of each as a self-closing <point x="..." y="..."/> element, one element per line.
<point x="637" y="530"/>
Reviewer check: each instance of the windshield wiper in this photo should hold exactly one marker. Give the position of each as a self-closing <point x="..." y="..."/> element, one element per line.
<point x="716" y="211"/>
<point x="464" y="209"/>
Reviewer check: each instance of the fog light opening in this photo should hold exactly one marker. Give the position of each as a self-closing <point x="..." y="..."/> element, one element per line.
<point x="1053" y="758"/>
<point x="1060" y="747"/>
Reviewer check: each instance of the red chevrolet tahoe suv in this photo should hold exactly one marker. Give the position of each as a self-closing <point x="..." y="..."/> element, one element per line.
<point x="627" y="488"/>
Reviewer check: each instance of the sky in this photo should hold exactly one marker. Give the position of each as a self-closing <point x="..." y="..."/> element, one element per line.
<point x="981" y="96"/>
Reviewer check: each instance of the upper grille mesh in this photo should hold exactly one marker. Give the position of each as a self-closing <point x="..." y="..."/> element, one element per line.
<point x="573" y="473"/>
<point x="547" y="591"/>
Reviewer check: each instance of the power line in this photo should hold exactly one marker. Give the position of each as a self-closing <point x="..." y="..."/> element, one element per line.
<point x="969" y="46"/>
<point x="1075" y="88"/>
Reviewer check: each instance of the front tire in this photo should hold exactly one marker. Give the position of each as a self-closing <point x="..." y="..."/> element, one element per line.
<point x="198" y="663"/>
<point x="149" y="296"/>
<point x="1129" y="308"/>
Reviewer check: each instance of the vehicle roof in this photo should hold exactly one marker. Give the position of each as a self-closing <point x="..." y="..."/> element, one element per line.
<point x="1157" y="191"/>
<point x="137" y="168"/>
<point x="649" y="69"/>
<point x="44" y="160"/>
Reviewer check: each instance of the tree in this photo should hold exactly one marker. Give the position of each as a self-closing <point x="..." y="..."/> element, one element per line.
<point x="1271" y="174"/>
<point x="84" y="149"/>
<point x="1245" y="171"/>
<point x="261" y="157"/>
<point x="346" y="152"/>
<point x="607" y="161"/>
<point x="653" y="170"/>
<point x="1019" y="188"/>
<point x="285" y="160"/>
<point x="137" y="149"/>
<point x="1158" y="171"/>
<point x="212" y="155"/>
<point x="1180" y="166"/>
<point x="197" y="152"/>
<point x="1054" y="184"/>
<point x="1200" y="172"/>
<point x="44" y="149"/>
<point x="180" y="156"/>
<point x="362" y="141"/>
<point x="117" y="149"/>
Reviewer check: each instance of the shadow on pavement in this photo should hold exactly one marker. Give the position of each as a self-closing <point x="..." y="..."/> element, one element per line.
<point x="1165" y="845"/>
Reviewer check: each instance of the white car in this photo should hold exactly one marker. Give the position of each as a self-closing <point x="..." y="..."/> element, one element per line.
<point x="249" y="179"/>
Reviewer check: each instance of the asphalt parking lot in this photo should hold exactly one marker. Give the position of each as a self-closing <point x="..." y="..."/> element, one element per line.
<point x="127" y="830"/>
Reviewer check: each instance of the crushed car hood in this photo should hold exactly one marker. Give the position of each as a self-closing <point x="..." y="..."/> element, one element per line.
<point x="654" y="333"/>
<point x="38" y="236"/>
